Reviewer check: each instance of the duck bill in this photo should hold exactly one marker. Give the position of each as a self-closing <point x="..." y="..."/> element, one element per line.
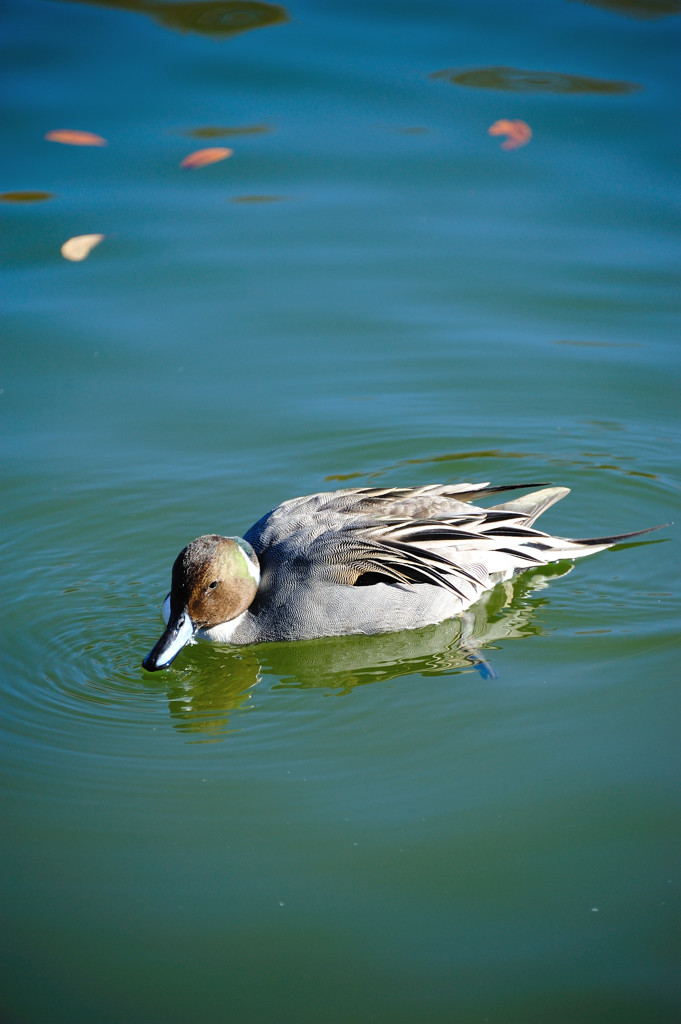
<point x="179" y="631"/>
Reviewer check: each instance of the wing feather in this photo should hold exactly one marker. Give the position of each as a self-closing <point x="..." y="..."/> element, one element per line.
<point x="423" y="535"/>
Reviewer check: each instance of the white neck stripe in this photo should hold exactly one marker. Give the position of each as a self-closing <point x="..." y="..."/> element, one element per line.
<point x="253" y="569"/>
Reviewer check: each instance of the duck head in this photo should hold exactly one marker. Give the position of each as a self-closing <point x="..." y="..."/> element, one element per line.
<point x="214" y="580"/>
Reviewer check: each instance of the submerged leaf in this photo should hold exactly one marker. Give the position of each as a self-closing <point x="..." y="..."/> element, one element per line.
<point x="639" y="8"/>
<point x="217" y="131"/>
<point x="80" y="246"/>
<point x="25" y="197"/>
<point x="518" y="80"/>
<point x="202" y="157"/>
<point x="519" y="133"/>
<point x="73" y="137"/>
<point x="258" y="199"/>
<point x="208" y="17"/>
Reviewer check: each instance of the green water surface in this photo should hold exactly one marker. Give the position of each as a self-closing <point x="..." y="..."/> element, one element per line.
<point x="369" y="290"/>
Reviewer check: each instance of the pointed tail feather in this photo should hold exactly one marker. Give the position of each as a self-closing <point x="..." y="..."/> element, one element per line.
<point x="532" y="505"/>
<point x="607" y="542"/>
<point x="589" y="545"/>
<point x="471" y="492"/>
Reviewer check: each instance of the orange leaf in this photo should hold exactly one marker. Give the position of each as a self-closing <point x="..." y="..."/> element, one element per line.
<point x="201" y="157"/>
<point x="519" y="133"/>
<point x="80" y="246"/>
<point x="72" y="137"/>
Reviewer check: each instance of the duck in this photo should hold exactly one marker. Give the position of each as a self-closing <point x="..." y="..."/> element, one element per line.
<point x="362" y="560"/>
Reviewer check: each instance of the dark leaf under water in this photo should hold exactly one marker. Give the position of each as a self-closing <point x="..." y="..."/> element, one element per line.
<point x="206" y="17"/>
<point x="518" y="80"/>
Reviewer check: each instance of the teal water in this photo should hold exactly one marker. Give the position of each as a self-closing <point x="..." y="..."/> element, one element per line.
<point x="369" y="290"/>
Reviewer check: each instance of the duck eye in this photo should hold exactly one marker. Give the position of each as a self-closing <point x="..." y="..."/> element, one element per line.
<point x="213" y="585"/>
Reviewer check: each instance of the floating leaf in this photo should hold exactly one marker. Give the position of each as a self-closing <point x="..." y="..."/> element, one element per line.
<point x="80" y="246"/>
<point x="519" y="133"/>
<point x="73" y="137"/>
<point x="202" y="157"/>
<point x="25" y="197"/>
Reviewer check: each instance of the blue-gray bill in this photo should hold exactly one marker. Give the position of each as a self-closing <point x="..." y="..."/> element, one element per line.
<point x="178" y="632"/>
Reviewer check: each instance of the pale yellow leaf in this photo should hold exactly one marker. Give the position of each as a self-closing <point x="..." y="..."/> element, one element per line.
<point x="80" y="246"/>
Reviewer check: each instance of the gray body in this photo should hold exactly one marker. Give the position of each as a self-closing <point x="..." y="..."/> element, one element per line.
<point x="309" y="550"/>
<point x="361" y="560"/>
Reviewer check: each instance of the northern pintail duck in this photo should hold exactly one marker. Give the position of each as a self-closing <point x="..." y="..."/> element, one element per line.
<point x="361" y="560"/>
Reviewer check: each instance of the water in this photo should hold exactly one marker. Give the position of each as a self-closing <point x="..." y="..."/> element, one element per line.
<point x="369" y="290"/>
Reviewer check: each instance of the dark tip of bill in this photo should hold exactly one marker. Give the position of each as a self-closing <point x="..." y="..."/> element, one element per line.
<point x="152" y="664"/>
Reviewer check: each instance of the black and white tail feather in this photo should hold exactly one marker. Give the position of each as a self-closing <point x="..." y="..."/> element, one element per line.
<point x="410" y="536"/>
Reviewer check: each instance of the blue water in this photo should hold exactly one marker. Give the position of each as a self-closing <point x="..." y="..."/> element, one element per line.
<point x="369" y="290"/>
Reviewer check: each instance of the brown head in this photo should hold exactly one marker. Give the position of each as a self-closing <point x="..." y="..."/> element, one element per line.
<point x="214" y="580"/>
